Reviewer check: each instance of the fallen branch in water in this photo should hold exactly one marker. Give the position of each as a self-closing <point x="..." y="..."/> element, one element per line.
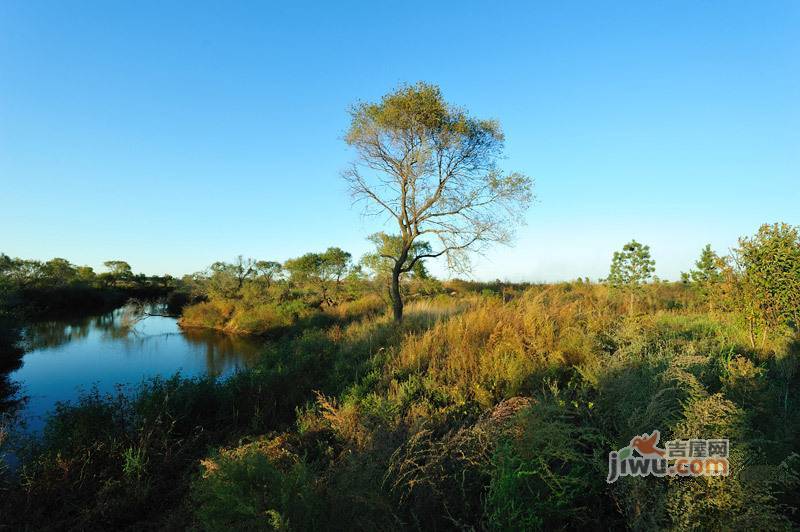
<point x="136" y="310"/>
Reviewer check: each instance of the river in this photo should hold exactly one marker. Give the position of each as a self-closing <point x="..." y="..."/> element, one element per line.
<point x="64" y="358"/>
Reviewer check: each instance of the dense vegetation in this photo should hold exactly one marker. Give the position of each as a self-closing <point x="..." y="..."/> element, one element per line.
<point x="488" y="407"/>
<point x="265" y="297"/>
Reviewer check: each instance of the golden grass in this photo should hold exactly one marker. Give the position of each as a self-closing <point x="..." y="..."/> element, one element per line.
<point x="487" y="351"/>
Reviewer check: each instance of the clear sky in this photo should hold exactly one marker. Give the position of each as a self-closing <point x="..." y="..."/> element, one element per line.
<point x="175" y="134"/>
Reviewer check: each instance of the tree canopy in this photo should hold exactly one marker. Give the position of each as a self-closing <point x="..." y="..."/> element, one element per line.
<point x="432" y="169"/>
<point x="321" y="272"/>
<point x="768" y="276"/>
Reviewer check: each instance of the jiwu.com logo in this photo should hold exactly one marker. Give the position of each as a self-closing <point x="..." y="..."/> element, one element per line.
<point x="684" y="458"/>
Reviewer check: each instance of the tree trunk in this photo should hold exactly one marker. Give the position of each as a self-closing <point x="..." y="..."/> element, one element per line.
<point x="394" y="289"/>
<point x="397" y="300"/>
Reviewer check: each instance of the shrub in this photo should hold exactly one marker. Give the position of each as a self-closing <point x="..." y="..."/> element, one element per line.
<point x="208" y="314"/>
<point x="255" y="487"/>
<point x="549" y="475"/>
<point x="256" y="320"/>
<point x="439" y="480"/>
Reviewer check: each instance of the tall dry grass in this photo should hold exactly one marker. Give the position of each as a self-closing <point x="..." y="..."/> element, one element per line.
<point x="489" y="351"/>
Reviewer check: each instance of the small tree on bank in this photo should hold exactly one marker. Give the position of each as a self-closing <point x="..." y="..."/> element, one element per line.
<point x="630" y="269"/>
<point x="433" y="170"/>
<point x="322" y="273"/>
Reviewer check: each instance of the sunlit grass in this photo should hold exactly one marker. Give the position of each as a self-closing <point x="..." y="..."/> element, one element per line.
<point x="474" y="410"/>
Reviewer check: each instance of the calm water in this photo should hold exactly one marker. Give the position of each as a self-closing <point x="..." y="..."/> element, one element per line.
<point x="64" y="358"/>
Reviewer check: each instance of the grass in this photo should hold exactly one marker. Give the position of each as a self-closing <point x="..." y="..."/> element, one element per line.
<point x="477" y="413"/>
<point x="240" y="317"/>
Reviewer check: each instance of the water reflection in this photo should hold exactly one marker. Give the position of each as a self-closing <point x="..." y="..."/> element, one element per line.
<point x="223" y="351"/>
<point x="8" y="389"/>
<point x="116" y="325"/>
<point x="63" y="357"/>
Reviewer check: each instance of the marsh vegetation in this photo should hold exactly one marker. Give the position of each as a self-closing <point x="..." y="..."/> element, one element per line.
<point x="490" y="406"/>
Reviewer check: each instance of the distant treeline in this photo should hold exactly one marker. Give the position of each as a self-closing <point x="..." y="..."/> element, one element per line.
<point x="32" y="288"/>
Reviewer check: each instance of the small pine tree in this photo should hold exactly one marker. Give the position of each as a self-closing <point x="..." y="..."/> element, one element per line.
<point x="706" y="275"/>
<point x="630" y="269"/>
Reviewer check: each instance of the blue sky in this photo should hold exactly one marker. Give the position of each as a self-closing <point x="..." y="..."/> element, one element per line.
<point x="175" y="134"/>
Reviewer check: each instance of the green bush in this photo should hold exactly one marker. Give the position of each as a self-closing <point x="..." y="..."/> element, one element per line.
<point x="550" y="474"/>
<point x="245" y="490"/>
<point x="208" y="314"/>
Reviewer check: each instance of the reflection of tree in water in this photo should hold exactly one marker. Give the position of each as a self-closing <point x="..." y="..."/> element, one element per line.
<point x="8" y="388"/>
<point x="10" y="360"/>
<point x="224" y="352"/>
<point x="49" y="334"/>
<point x="114" y="325"/>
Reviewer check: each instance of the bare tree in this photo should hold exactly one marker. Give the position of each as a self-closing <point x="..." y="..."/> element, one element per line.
<point x="433" y="169"/>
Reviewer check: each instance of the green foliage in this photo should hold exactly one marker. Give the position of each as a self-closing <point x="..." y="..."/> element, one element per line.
<point x="707" y="268"/>
<point x="119" y="269"/>
<point x="245" y="490"/>
<point x="31" y="289"/>
<point x="321" y="274"/>
<point x="632" y="266"/>
<point x="251" y="296"/>
<point x="134" y="462"/>
<point x="706" y="276"/>
<point x="389" y="248"/>
<point x="630" y="269"/>
<point x="548" y="476"/>
<point x="413" y="276"/>
<point x="768" y="278"/>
